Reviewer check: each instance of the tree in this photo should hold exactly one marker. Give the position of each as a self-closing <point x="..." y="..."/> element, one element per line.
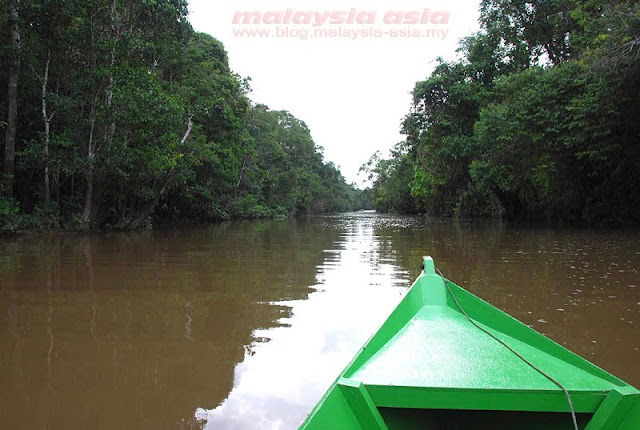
<point x="537" y="120"/>
<point x="533" y="31"/>
<point x="439" y="128"/>
<point x="12" y="99"/>
<point x="524" y="147"/>
<point x="128" y="115"/>
<point x="391" y="179"/>
<point x="609" y="33"/>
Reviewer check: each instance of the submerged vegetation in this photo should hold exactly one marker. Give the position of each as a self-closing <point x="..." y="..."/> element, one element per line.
<point x="119" y="113"/>
<point x="536" y="120"/>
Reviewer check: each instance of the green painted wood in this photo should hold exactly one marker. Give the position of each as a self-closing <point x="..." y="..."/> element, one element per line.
<point x="617" y="409"/>
<point x="499" y="321"/>
<point x="428" y="266"/>
<point x="361" y="404"/>
<point x="461" y="356"/>
<point x="470" y="399"/>
<point x="439" y="419"/>
<point x="334" y="413"/>
<point x="428" y="356"/>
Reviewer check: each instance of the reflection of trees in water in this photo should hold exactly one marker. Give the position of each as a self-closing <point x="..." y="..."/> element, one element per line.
<point x="142" y="328"/>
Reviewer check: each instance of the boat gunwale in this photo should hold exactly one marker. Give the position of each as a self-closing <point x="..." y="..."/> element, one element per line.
<point x="526" y="400"/>
<point x="585" y="400"/>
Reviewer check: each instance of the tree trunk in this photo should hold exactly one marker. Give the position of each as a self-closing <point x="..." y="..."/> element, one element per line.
<point x="148" y="209"/>
<point x="111" y="128"/>
<point x="235" y="191"/>
<point x="90" y="209"/>
<point x="12" y="101"/>
<point x="46" y="121"/>
<point x="88" y="199"/>
<point x="91" y="153"/>
<point x="513" y="208"/>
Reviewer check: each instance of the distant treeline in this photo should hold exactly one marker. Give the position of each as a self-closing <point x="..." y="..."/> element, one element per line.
<point x="539" y="119"/>
<point x="117" y="112"/>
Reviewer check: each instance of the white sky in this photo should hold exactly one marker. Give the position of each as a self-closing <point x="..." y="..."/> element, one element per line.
<point x="351" y="93"/>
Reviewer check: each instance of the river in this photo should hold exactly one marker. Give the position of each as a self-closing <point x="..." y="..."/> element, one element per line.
<point x="245" y="324"/>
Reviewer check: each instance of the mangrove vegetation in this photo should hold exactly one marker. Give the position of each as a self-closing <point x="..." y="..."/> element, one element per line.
<point x="117" y="113"/>
<point x="537" y="119"/>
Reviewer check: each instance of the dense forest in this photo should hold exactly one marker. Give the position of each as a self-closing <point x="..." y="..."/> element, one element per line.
<point x="117" y="113"/>
<point x="537" y="119"/>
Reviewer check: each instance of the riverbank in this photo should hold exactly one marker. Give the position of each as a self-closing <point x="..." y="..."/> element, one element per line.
<point x="13" y="222"/>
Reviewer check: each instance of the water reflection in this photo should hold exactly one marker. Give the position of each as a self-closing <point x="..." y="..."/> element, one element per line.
<point x="245" y="324"/>
<point x="542" y="276"/>
<point x="136" y="330"/>
<point x="282" y="377"/>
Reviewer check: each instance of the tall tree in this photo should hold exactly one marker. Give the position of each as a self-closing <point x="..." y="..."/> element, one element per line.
<point x="439" y="128"/>
<point x="12" y="99"/>
<point x="538" y="119"/>
<point x="532" y="31"/>
<point x="126" y="114"/>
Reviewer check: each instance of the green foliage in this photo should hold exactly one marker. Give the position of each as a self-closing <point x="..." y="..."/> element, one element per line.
<point x="440" y="128"/>
<point x="526" y="146"/>
<point x="610" y="32"/>
<point x="147" y="120"/>
<point x="537" y="120"/>
<point x="10" y="219"/>
<point x="530" y="31"/>
<point x="391" y="179"/>
<point x="44" y="217"/>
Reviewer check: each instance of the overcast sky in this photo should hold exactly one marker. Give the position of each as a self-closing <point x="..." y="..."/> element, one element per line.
<point x="346" y="68"/>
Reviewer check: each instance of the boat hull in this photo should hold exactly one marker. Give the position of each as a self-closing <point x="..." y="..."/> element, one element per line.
<point x="445" y="359"/>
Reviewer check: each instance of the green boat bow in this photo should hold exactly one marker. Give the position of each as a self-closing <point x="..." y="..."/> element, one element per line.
<point x="445" y="359"/>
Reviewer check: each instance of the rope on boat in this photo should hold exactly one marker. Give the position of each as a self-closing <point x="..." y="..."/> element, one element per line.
<point x="520" y="356"/>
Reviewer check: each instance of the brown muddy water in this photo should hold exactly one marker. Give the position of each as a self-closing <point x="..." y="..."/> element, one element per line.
<point x="243" y="325"/>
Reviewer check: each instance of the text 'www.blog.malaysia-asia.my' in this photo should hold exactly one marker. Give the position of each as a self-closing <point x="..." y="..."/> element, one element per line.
<point x="342" y="24"/>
